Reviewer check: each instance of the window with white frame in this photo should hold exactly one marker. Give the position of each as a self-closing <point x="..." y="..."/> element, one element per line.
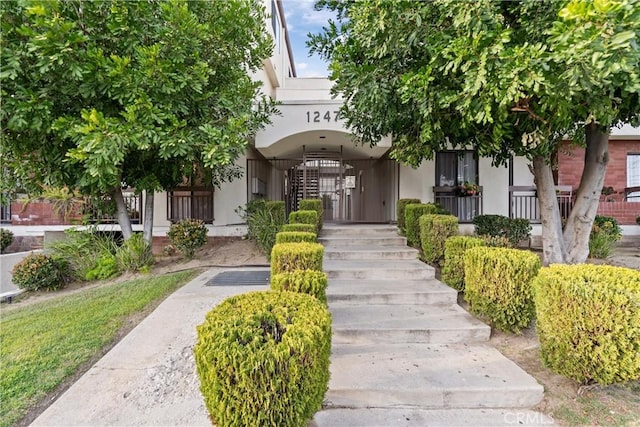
<point x="633" y="175"/>
<point x="275" y="24"/>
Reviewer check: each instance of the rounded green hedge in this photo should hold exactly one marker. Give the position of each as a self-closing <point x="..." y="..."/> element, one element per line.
<point x="263" y="359"/>
<point x="412" y="214"/>
<point x="313" y="205"/>
<point x="310" y="282"/>
<point x="588" y="321"/>
<point x="296" y="256"/>
<point x="304" y="217"/>
<point x="454" y="249"/>
<point x="38" y="271"/>
<point x="498" y="285"/>
<point x="400" y="208"/>
<point x="295" y="237"/>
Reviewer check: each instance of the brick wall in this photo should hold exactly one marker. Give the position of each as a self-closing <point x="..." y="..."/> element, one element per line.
<point x="571" y="163"/>
<point x="37" y="213"/>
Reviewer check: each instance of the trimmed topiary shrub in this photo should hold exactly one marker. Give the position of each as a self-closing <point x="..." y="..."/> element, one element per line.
<point x="6" y="239"/>
<point x="454" y="249"/>
<point x="263" y="359"/>
<point x="412" y="214"/>
<point x="498" y="285"/>
<point x="306" y="281"/>
<point x="295" y="237"/>
<point x="588" y="321"/>
<point x="296" y="256"/>
<point x="313" y="205"/>
<point x="304" y="217"/>
<point x="513" y="229"/>
<point x="400" y="212"/>
<point x="309" y="228"/>
<point x="38" y="271"/>
<point x="434" y="231"/>
<point x="188" y="235"/>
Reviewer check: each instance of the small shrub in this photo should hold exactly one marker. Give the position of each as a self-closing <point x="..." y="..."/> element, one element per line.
<point x="169" y="250"/>
<point x="263" y="359"/>
<point x="498" y="285"/>
<point x="38" y="271"/>
<point x="188" y="235"/>
<point x="513" y="229"/>
<point x="304" y="217"/>
<point x="6" y="239"/>
<point x="296" y="256"/>
<point x="295" y="237"/>
<point x="412" y="214"/>
<point x="638" y="220"/>
<point x="434" y="231"/>
<point x="605" y="232"/>
<point x="278" y="211"/>
<point x="454" y="249"/>
<point x="400" y="212"/>
<point x="134" y="254"/>
<point x="82" y="250"/>
<point x="588" y="321"/>
<point x="496" y="241"/>
<point x="308" y="228"/>
<point x="105" y="268"/>
<point x="306" y="281"/>
<point x="313" y="205"/>
<point x="264" y="223"/>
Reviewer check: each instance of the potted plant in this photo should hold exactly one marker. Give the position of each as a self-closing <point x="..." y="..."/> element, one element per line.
<point x="468" y="189"/>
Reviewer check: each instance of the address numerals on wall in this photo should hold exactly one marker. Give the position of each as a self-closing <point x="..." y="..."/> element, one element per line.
<point x="319" y="116"/>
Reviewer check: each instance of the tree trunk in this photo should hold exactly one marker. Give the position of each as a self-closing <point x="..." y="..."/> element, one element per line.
<point x="585" y="207"/>
<point x="121" y="213"/>
<point x="553" y="247"/>
<point x="147" y="233"/>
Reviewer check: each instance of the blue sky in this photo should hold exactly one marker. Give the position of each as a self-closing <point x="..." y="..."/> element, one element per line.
<point x="302" y="19"/>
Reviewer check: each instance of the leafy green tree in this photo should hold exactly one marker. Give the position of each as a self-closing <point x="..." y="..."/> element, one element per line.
<point x="99" y="94"/>
<point x="506" y="78"/>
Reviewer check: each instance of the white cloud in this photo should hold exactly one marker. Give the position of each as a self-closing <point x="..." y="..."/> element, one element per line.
<point x="302" y="66"/>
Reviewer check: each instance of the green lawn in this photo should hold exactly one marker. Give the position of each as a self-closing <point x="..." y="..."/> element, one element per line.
<point x="42" y="344"/>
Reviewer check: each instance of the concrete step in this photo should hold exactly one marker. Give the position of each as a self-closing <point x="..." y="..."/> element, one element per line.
<point x="361" y="229"/>
<point x="390" y="292"/>
<point x="397" y="324"/>
<point x="380" y="270"/>
<point x="371" y="252"/>
<point x="346" y="240"/>
<point x="409" y="417"/>
<point x="427" y="377"/>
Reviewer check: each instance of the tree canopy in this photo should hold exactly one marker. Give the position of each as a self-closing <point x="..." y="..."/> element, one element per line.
<point x="506" y="78"/>
<point x="100" y="93"/>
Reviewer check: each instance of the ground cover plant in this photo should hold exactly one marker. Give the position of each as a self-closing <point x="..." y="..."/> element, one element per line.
<point x="44" y="343"/>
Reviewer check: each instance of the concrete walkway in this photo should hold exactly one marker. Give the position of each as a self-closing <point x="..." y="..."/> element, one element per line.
<point x="404" y="353"/>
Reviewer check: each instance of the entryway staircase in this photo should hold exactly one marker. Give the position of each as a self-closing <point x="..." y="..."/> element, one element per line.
<point x="404" y="352"/>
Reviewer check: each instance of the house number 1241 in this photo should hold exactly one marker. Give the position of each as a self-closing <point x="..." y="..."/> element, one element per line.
<point x="317" y="116"/>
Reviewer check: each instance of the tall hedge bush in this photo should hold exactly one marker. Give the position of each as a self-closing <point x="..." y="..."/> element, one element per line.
<point x="304" y="217"/>
<point x="313" y="205"/>
<point x="412" y="214"/>
<point x="434" y="231"/>
<point x="588" y="321"/>
<point x="295" y="237"/>
<point x="498" y="285"/>
<point x="296" y="256"/>
<point x="263" y="359"/>
<point x="306" y="281"/>
<point x="453" y="268"/>
<point x="308" y="228"/>
<point x="400" y="212"/>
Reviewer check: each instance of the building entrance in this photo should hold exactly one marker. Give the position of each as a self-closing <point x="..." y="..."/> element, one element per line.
<point x="351" y="190"/>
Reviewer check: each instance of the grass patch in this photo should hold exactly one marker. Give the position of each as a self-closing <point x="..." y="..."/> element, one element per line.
<point x="43" y="344"/>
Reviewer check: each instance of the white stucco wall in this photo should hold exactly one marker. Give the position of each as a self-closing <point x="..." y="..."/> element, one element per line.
<point x="495" y="183"/>
<point x="418" y="183"/>
<point x="229" y="197"/>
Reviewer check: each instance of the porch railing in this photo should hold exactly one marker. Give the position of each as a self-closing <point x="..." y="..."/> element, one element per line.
<point x="466" y="208"/>
<point x="523" y="202"/>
